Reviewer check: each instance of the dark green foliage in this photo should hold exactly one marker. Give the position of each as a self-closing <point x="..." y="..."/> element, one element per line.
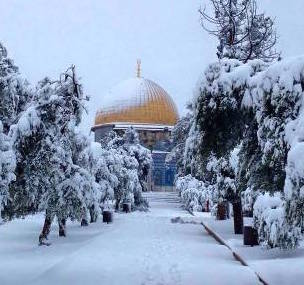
<point x="14" y="92"/>
<point x="221" y="122"/>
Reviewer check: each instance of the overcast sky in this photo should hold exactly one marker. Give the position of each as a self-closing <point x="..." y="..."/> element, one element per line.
<point x="104" y="39"/>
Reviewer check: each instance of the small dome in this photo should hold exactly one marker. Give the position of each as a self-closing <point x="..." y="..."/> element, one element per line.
<point x="140" y="101"/>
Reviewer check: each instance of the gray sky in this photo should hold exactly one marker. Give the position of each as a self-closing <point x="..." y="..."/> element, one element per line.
<point x="104" y="39"/>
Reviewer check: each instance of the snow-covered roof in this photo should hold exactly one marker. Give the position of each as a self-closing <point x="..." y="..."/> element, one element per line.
<point x="137" y="100"/>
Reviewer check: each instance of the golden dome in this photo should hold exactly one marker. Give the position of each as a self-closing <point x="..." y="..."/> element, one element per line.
<point x="138" y="101"/>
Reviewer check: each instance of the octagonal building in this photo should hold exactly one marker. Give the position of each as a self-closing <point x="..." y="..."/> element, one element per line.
<point x="150" y="110"/>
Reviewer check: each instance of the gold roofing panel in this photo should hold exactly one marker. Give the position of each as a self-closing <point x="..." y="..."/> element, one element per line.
<point x="149" y="104"/>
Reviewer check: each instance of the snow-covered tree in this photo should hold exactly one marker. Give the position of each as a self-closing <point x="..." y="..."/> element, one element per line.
<point x="257" y="108"/>
<point x="50" y="174"/>
<point x="71" y="184"/>
<point x="179" y="136"/>
<point x="122" y="166"/>
<point x="242" y="32"/>
<point x="86" y="166"/>
<point x="144" y="159"/>
<point x="279" y="113"/>
<point x="14" y="91"/>
<point x="130" y="163"/>
<point x="243" y="35"/>
<point x="294" y="193"/>
<point x="217" y="112"/>
<point x="269" y="174"/>
<point x="219" y="126"/>
<point x="107" y="180"/>
<point x="294" y="183"/>
<point x="31" y="164"/>
<point x="7" y="167"/>
<point x="249" y="168"/>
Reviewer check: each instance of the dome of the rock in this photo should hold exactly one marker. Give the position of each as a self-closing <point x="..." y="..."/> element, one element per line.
<point x="145" y="106"/>
<point x="137" y="101"/>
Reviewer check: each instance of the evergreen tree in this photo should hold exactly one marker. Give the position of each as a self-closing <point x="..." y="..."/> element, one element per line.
<point x="251" y="173"/>
<point x="130" y="164"/>
<point x="294" y="196"/>
<point x="50" y="175"/>
<point x="179" y="136"/>
<point x="144" y="160"/>
<point x="140" y="153"/>
<point x="95" y="174"/>
<point x="7" y="167"/>
<point x="220" y="123"/>
<point x="104" y="177"/>
<point x="280" y="117"/>
<point x="219" y="119"/>
<point x="14" y="92"/>
<point x="243" y="33"/>
<point x="71" y="184"/>
<point x="31" y="147"/>
<point x="122" y="166"/>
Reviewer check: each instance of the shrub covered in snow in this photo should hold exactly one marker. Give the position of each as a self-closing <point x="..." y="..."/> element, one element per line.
<point x="194" y="193"/>
<point x="224" y="185"/>
<point x="269" y="219"/>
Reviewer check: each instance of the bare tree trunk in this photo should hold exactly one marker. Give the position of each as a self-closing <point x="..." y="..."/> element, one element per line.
<point x="84" y="223"/>
<point x="46" y="229"/>
<point x="238" y="216"/>
<point x="62" y="227"/>
<point x="207" y="206"/>
<point x="117" y="204"/>
<point x="85" y="218"/>
<point x="221" y="211"/>
<point x="93" y="215"/>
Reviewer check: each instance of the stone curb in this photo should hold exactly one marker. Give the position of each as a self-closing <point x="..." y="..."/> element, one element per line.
<point x="221" y="241"/>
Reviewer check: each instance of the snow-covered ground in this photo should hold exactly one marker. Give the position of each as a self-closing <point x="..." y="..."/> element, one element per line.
<point x="275" y="266"/>
<point x="138" y="248"/>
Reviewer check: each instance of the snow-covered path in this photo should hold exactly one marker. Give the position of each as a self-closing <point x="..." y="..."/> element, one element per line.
<point x="138" y="248"/>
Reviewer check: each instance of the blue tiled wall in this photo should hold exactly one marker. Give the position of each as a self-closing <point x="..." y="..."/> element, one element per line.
<point x="163" y="173"/>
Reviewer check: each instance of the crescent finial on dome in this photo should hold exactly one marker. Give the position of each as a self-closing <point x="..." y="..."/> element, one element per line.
<point x="138" y="68"/>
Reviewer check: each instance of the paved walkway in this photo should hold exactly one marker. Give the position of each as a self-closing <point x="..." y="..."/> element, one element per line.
<point x="138" y="248"/>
